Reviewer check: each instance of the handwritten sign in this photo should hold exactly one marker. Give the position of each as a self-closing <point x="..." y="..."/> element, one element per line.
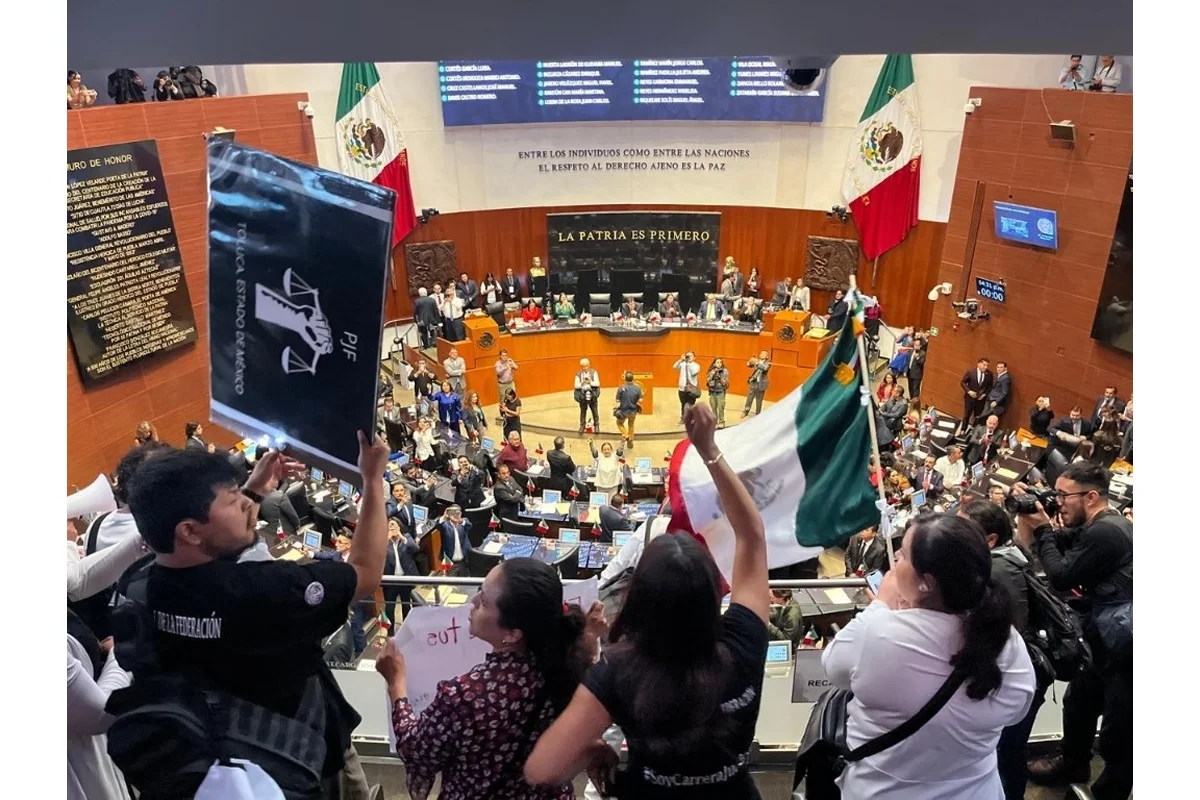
<point x="808" y="678"/>
<point x="437" y="643"/>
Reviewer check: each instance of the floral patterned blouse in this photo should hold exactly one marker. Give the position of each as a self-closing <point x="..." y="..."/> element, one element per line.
<point x="478" y="733"/>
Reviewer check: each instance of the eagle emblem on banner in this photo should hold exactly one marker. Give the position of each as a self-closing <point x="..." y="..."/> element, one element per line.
<point x="881" y="144"/>
<point x="364" y="142"/>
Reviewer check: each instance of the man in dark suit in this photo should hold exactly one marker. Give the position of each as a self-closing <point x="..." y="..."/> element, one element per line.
<point x="1108" y="401"/>
<point x="562" y="466"/>
<point x="1067" y="434"/>
<point x="976" y="384"/>
<point x="192" y="432"/>
<point x="455" y="540"/>
<point x="927" y="479"/>
<point x="984" y="442"/>
<point x="510" y="287"/>
<point x="427" y="317"/>
<point x="612" y="520"/>
<point x="865" y="553"/>
<point x="420" y="488"/>
<point x="508" y="492"/>
<point x="783" y="294"/>
<point x="839" y="309"/>
<point x="711" y="309"/>
<point x="278" y="512"/>
<point x="468" y="485"/>
<point x="1000" y="394"/>
<point x="468" y="290"/>
<point x="398" y="560"/>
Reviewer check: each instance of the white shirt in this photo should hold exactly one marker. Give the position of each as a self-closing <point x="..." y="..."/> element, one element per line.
<point x="608" y="472"/>
<point x="424" y="440"/>
<point x="689" y="373"/>
<point x="953" y="473"/>
<point x="1069" y="83"/>
<point x="452" y="308"/>
<point x="91" y="774"/>
<point x="458" y="553"/>
<point x="89" y="575"/>
<point x="1110" y="76"/>
<point x="116" y="527"/>
<point x="894" y="662"/>
<point x="801" y="297"/>
<point x="591" y="374"/>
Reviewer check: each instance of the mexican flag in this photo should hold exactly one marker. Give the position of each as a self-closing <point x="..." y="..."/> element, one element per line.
<point x="882" y="181"/>
<point x="804" y="461"/>
<point x="369" y="143"/>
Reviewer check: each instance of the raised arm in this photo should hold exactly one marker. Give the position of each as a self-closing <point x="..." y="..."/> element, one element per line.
<point x="749" y="579"/>
<point x="370" y="536"/>
<point x="98" y="571"/>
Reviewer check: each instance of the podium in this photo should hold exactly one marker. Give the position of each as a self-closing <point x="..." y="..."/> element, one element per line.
<point x="646" y="381"/>
<point x="484" y="335"/>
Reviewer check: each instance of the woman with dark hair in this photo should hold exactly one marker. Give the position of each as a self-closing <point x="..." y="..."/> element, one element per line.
<point x="449" y="406"/>
<point x="480" y="727"/>
<point x="938" y="611"/>
<point x="78" y="95"/>
<point x="473" y="417"/>
<point x="490" y="290"/>
<point x="510" y="410"/>
<point x="682" y="681"/>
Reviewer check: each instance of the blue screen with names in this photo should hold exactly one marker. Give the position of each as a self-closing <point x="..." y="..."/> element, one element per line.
<point x="1027" y="225"/>
<point x="745" y="88"/>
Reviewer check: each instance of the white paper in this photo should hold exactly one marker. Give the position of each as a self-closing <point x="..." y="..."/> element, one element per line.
<point x="493" y="547"/>
<point x="583" y="593"/>
<point x="837" y="596"/>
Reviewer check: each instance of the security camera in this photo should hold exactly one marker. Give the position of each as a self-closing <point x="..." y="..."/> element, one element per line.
<point x="969" y="108"/>
<point x="969" y="310"/>
<point x="941" y="288"/>
<point x="306" y="107"/>
<point x="804" y="73"/>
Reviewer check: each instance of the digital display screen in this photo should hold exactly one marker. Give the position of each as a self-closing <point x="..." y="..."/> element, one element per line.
<point x="598" y="499"/>
<point x="917" y="500"/>
<point x="345" y="489"/>
<point x="312" y="540"/>
<point x="621" y="539"/>
<point x="907" y="442"/>
<point x="420" y="513"/>
<point x="1027" y="225"/>
<point x="551" y="497"/>
<point x="568" y="535"/>
<point x="977" y="470"/>
<point x="643" y="465"/>
<point x="779" y="652"/>
<point x="742" y="88"/>
<point x="989" y="290"/>
<point x="488" y="444"/>
<point x="317" y="474"/>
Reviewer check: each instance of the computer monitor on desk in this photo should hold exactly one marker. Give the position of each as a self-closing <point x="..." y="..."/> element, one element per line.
<point x="312" y="540"/>
<point x="551" y="497"/>
<point x="779" y="657"/>
<point x="916" y="500"/>
<point x="907" y="444"/>
<point x="317" y="475"/>
<point x="345" y="490"/>
<point x="488" y="444"/>
<point x="598" y="499"/>
<point x="642" y="465"/>
<point x="1012" y="441"/>
<point x="568" y="535"/>
<point x="977" y="470"/>
<point x="420" y="513"/>
<point x="620" y="539"/>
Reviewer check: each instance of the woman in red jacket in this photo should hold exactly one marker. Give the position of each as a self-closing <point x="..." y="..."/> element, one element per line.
<point x="531" y="312"/>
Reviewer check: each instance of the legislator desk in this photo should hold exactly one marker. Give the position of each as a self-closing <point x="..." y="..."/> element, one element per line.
<point x="548" y="355"/>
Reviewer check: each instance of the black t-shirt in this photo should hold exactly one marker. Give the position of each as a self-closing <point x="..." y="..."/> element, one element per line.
<point x="255" y="630"/>
<point x="718" y="768"/>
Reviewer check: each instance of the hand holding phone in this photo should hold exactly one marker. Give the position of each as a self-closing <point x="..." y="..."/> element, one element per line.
<point x="874" y="580"/>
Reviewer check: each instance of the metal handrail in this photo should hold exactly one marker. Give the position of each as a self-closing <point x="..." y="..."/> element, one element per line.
<point x="798" y="583"/>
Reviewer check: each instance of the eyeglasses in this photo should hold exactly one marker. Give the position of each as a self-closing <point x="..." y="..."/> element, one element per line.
<point x="1065" y="495"/>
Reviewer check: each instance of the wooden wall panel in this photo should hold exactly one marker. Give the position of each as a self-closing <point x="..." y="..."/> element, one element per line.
<point x="1043" y="331"/>
<point x="773" y="239"/>
<point x="170" y="388"/>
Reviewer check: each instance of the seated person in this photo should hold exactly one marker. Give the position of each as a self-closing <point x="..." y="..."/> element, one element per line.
<point x="278" y="512"/>
<point x="747" y="309"/>
<point x="865" y="553"/>
<point x="564" y="308"/>
<point x="612" y="520"/>
<point x="468" y="485"/>
<point x="455" y="541"/>
<point x="927" y="479"/>
<point x="984" y="442"/>
<point x="631" y="308"/>
<point x="711" y="310"/>
<point x="785" y="621"/>
<point x="531" y="312"/>
<point x="1066" y="434"/>
<point x="513" y="454"/>
<point x="952" y="466"/>
<point x="669" y="308"/>
<point x="509" y="493"/>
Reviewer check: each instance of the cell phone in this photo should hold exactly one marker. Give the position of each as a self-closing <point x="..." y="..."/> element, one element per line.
<point x="874" y="579"/>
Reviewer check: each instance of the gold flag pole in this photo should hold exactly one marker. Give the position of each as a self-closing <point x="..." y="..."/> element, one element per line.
<point x="866" y="382"/>
<point x="874" y="273"/>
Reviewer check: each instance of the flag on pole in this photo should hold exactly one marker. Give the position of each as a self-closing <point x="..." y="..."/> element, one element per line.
<point x="882" y="179"/>
<point x="369" y="142"/>
<point x="804" y="461"/>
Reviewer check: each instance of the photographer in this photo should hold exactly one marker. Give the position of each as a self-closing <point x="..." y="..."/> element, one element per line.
<point x="587" y="395"/>
<point x="166" y="88"/>
<point x="1091" y="551"/>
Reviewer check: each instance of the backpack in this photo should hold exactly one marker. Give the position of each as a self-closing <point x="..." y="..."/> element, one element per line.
<point x="1054" y="633"/>
<point x="170" y="731"/>
<point x="125" y="86"/>
<point x="94" y="611"/>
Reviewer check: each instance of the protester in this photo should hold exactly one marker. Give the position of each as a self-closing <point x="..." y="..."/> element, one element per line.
<point x="480" y="726"/>
<point x="91" y="774"/>
<point x="683" y="681"/>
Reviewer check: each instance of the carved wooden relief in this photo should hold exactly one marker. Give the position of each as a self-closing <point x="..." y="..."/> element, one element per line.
<point x="427" y="263"/>
<point x="831" y="262"/>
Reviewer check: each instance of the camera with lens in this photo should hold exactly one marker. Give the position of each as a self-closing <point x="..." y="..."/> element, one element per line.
<point x="1027" y="503"/>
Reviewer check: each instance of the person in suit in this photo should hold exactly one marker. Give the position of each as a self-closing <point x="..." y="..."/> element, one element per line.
<point x="895" y="409"/>
<point x="278" y="512"/>
<point x="838" y="310"/>
<point x="611" y="518"/>
<point x="399" y="497"/>
<point x="1109" y="401"/>
<point x="456" y="542"/>
<point x="984" y="442"/>
<point x="468" y="485"/>
<point x="422" y="380"/>
<point x="1000" y="394"/>
<point x="733" y="285"/>
<point x="783" y="294"/>
<point x="865" y="553"/>
<point x="453" y="307"/>
<point x="669" y="308"/>
<point x="757" y="382"/>
<point x="191" y="434"/>
<point x="916" y="366"/>
<point x="508" y="492"/>
<point x="562" y="466"/>
<point x="927" y="479"/>
<point x="420" y="488"/>
<point x="1069" y="432"/>
<point x="468" y="290"/>
<point x="510" y="287"/>
<point x="398" y="560"/>
<point x="976" y="384"/>
<point x="711" y="309"/>
<point x="427" y="316"/>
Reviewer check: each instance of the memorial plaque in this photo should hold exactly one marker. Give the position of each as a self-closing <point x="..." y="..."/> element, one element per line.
<point x="126" y="294"/>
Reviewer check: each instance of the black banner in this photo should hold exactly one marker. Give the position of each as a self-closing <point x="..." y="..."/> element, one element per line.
<point x="126" y="294"/>
<point x="648" y="253"/>
<point x="297" y="267"/>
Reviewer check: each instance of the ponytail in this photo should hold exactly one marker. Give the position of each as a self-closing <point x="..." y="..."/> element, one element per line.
<point x="985" y="633"/>
<point x="563" y="656"/>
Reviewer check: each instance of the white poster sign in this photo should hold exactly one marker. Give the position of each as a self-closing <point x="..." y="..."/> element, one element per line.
<point x="808" y="678"/>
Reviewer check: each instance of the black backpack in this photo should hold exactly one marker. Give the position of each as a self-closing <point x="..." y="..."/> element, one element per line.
<point x="169" y="729"/>
<point x="1054" y="630"/>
